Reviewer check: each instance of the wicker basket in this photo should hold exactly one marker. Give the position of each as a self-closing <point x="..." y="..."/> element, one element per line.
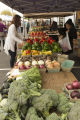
<point x="42" y="70"/>
<point x="72" y="99"/>
<point x="53" y="70"/>
<point x="69" y="91"/>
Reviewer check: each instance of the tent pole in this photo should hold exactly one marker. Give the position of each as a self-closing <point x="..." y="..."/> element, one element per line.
<point x="12" y="12"/>
<point x="64" y="21"/>
<point x="23" y="28"/>
<point x="50" y="21"/>
<point x="75" y="18"/>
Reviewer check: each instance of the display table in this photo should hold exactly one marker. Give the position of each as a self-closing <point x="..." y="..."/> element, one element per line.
<point x="52" y="34"/>
<point x="56" y="80"/>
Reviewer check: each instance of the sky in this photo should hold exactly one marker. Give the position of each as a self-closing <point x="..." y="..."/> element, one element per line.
<point x="5" y="7"/>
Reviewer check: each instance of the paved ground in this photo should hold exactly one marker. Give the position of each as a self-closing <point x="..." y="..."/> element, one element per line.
<point x="4" y="63"/>
<point x="4" y="60"/>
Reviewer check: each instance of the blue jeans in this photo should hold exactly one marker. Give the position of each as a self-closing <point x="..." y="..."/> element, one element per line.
<point x="13" y="58"/>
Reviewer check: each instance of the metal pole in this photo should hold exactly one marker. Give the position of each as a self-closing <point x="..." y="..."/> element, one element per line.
<point x="50" y="21"/>
<point x="23" y="28"/>
<point x="75" y="18"/>
<point x="12" y="12"/>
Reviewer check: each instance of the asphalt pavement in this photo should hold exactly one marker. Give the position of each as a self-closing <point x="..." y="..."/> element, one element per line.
<point x="4" y="66"/>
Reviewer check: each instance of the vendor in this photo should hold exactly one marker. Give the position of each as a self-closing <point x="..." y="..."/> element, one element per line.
<point x="54" y="26"/>
<point x="12" y="39"/>
<point x="72" y="33"/>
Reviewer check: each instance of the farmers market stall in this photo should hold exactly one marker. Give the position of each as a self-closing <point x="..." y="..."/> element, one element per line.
<point x="29" y="93"/>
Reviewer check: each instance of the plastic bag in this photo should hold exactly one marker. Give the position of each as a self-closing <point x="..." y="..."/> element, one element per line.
<point x="65" y="43"/>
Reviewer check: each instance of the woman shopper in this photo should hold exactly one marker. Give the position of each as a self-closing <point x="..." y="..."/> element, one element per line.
<point x="12" y="39"/>
<point x="72" y="33"/>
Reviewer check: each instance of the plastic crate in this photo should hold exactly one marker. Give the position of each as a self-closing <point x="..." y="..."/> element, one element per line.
<point x="67" y="65"/>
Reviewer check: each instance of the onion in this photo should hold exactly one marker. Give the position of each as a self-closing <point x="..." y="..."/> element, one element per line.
<point x="42" y="66"/>
<point x="27" y="63"/>
<point x="74" y="94"/>
<point x="22" y="67"/>
<point x="76" y="85"/>
<point x="69" y="87"/>
<point x="34" y="63"/>
<point x="78" y="95"/>
<point x="50" y="66"/>
<point x="41" y="62"/>
<point x="20" y="63"/>
<point x="28" y="67"/>
<point x="48" y="61"/>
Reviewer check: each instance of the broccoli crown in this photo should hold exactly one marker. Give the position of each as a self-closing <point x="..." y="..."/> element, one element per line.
<point x="63" y="106"/>
<point x="11" y="105"/>
<point x="3" y="114"/>
<point x="13" y="115"/>
<point x="53" y="116"/>
<point x="74" y="113"/>
<point x="22" y="89"/>
<point x="32" y="115"/>
<point x="17" y="90"/>
<point x="52" y="93"/>
<point x="44" y="102"/>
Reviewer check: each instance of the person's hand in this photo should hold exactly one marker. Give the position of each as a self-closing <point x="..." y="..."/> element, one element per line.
<point x="24" y="39"/>
<point x="23" y="43"/>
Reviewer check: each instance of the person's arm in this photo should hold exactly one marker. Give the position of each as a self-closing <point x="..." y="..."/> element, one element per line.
<point x="4" y="26"/>
<point x="74" y="33"/>
<point x="13" y="34"/>
<point x="19" y="36"/>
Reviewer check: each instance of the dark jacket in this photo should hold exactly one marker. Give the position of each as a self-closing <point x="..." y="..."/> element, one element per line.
<point x="72" y="35"/>
<point x="54" y="26"/>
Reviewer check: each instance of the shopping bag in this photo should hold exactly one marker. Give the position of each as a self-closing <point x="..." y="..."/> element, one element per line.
<point x="65" y="43"/>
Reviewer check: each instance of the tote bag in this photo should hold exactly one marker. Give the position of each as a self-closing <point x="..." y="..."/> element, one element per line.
<point x="65" y="43"/>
